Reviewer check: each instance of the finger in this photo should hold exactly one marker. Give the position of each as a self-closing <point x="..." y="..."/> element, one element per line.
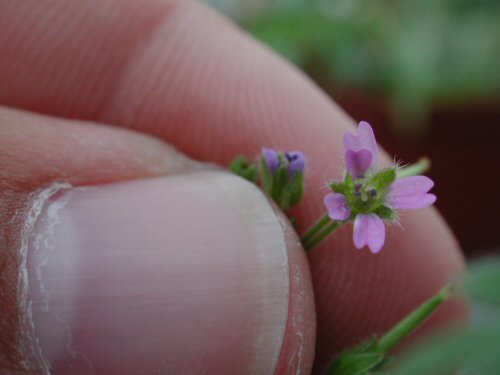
<point x="189" y="271"/>
<point x="190" y="77"/>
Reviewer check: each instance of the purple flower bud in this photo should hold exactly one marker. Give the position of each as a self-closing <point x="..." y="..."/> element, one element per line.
<point x="296" y="162"/>
<point x="271" y="158"/>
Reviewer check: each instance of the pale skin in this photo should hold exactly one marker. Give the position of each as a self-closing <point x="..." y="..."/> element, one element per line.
<point x="185" y="75"/>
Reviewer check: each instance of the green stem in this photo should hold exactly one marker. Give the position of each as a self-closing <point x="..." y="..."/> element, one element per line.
<point x="329" y="229"/>
<point x="420" y="167"/>
<point x="412" y="321"/>
<point x="311" y="232"/>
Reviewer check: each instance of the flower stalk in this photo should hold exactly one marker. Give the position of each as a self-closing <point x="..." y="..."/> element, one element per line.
<point x="370" y="357"/>
<point x="331" y="227"/>
<point x="406" y="326"/>
<point x="315" y="229"/>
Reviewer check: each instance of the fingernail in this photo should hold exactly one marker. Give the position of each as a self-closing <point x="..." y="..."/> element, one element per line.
<point x="176" y="275"/>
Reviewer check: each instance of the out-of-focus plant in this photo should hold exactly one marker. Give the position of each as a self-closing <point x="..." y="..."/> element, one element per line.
<point x="472" y="351"/>
<point x="414" y="53"/>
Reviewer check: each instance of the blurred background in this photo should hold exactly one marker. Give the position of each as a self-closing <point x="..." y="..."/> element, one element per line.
<point x="425" y="73"/>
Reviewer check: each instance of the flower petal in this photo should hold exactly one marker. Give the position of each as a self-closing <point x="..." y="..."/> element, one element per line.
<point x="369" y="230"/>
<point x="410" y="193"/>
<point x="271" y="157"/>
<point x="411" y="202"/>
<point x="411" y="185"/>
<point x="337" y="206"/>
<point x="357" y="162"/>
<point x="365" y="139"/>
<point x="296" y="162"/>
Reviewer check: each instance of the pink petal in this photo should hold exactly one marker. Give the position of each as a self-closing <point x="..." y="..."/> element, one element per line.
<point x="337" y="206"/>
<point x="365" y="139"/>
<point x="411" y="185"/>
<point x="369" y="230"/>
<point x="357" y="162"/>
<point x="411" y="202"/>
<point x="410" y="193"/>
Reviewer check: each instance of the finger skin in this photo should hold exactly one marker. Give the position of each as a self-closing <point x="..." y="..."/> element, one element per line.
<point x="37" y="151"/>
<point x="193" y="79"/>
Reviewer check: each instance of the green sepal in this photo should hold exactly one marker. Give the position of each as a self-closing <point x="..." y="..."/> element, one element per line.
<point x="266" y="176"/>
<point x="295" y="189"/>
<point x="337" y="187"/>
<point x="383" y="179"/>
<point x="348" y="182"/>
<point x="385" y="213"/>
<point x="243" y="168"/>
<point x="278" y="186"/>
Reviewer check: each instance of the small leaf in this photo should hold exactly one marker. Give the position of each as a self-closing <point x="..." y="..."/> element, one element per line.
<point x="243" y="168"/>
<point x="482" y="281"/>
<point x="355" y="363"/>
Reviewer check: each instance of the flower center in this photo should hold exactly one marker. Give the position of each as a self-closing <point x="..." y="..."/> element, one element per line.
<point x="365" y="197"/>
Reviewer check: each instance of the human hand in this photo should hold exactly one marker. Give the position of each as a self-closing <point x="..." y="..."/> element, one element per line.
<point x="178" y="71"/>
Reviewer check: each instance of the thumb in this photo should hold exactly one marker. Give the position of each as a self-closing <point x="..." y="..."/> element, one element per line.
<point x="192" y="272"/>
<point x="184" y="273"/>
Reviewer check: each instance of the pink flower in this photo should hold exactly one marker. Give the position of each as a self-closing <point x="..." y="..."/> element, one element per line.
<point x="370" y="196"/>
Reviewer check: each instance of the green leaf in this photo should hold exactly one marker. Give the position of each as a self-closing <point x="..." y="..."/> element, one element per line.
<point x="383" y="179"/>
<point x="355" y="363"/>
<point x="360" y="360"/>
<point x="382" y="365"/>
<point x="482" y="281"/>
<point x="243" y="168"/>
<point x="475" y="349"/>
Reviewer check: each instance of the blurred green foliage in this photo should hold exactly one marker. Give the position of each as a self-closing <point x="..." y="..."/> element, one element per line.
<point x="472" y="351"/>
<point x="416" y="54"/>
